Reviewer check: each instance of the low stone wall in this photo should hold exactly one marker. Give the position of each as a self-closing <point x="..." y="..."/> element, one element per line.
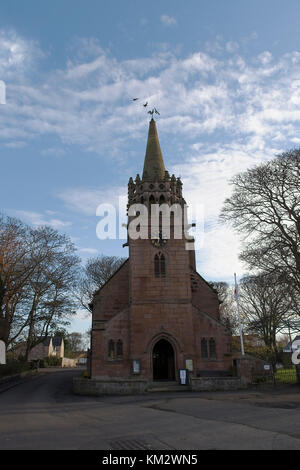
<point x="210" y="384"/>
<point x="97" y="387"/>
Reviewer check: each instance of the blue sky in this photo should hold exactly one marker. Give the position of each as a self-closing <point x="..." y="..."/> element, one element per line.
<point x="225" y="76"/>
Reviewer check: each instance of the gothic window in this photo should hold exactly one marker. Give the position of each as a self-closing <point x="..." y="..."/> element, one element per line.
<point x="152" y="199"/>
<point x="111" y="349"/>
<point x="119" y="349"/>
<point x="204" y="352"/>
<point x="159" y="265"/>
<point x="156" y="265"/>
<point x="212" y="348"/>
<point x="162" y="199"/>
<point x="163" y="265"/>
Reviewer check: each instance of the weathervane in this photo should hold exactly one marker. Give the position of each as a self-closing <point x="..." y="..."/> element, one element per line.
<point x="153" y="111"/>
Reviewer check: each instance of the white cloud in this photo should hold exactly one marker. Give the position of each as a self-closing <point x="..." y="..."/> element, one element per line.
<point x="232" y="46"/>
<point x="89" y="251"/>
<point x="86" y="200"/>
<point x="218" y="258"/>
<point x="16" y="54"/>
<point x="168" y="20"/>
<point x="89" y="103"/>
<point x="37" y="219"/>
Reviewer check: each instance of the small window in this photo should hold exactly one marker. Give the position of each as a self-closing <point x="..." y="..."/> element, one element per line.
<point x="212" y="348"/>
<point x="111" y="350"/>
<point x="119" y="349"/>
<point x="162" y="265"/>
<point x="204" y="352"/>
<point x="156" y="266"/>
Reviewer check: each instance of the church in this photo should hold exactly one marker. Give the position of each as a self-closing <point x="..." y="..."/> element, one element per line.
<point x="156" y="315"/>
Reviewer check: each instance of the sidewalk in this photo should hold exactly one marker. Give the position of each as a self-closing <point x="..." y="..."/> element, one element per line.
<point x="287" y="397"/>
<point x="11" y="381"/>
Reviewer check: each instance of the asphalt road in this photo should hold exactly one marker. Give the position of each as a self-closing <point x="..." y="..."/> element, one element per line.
<point x="42" y="413"/>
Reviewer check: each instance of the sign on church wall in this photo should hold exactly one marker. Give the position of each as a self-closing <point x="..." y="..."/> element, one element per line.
<point x="2" y="352"/>
<point x="136" y="366"/>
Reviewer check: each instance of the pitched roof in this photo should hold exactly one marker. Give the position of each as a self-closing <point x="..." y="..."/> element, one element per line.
<point x="289" y="345"/>
<point x="57" y="341"/>
<point x="154" y="167"/>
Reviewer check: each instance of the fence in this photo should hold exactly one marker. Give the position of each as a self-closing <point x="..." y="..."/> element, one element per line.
<point x="281" y="376"/>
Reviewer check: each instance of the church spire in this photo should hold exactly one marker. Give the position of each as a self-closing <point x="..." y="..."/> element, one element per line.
<point x="154" y="167"/>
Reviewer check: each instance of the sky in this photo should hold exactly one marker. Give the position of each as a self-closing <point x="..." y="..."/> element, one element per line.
<point x="224" y="75"/>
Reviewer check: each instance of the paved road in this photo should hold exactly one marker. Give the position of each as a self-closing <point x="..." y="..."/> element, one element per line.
<point x="42" y="413"/>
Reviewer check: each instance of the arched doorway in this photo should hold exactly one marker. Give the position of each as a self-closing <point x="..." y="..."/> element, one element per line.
<point x="163" y="361"/>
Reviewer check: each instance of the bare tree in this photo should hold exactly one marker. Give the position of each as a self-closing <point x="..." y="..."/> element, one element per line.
<point x="228" y="313"/>
<point x="267" y="307"/>
<point x="265" y="209"/>
<point x="51" y="302"/>
<point x="15" y="269"/>
<point x="97" y="271"/>
<point x="74" y="344"/>
<point x="38" y="270"/>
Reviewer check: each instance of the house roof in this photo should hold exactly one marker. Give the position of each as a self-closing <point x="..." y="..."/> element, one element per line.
<point x="57" y="341"/>
<point x="289" y="345"/>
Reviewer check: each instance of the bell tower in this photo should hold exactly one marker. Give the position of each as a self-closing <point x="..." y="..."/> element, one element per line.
<point x="160" y="263"/>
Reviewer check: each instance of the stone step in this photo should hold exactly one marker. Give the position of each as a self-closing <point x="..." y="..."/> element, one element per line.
<point x="167" y="387"/>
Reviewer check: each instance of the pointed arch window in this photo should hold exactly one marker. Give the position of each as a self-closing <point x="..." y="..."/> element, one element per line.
<point x="204" y="351"/>
<point x="151" y="199"/>
<point x="212" y="348"/>
<point x="160" y="265"/>
<point x="156" y="265"/>
<point x="111" y="349"/>
<point x="119" y="349"/>
<point x="162" y="199"/>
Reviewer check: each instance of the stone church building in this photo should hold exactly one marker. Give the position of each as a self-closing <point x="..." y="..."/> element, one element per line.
<point x="156" y="314"/>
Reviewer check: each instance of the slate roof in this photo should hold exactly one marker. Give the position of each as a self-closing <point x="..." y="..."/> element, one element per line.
<point x="288" y="347"/>
<point x="57" y="341"/>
